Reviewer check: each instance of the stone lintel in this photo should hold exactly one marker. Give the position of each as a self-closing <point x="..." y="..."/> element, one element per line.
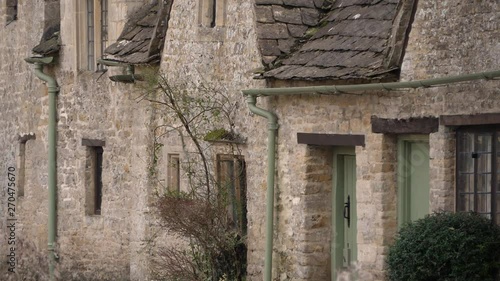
<point x="91" y="142"/>
<point x="467" y="120"/>
<point x="420" y="125"/>
<point x="331" y="139"/>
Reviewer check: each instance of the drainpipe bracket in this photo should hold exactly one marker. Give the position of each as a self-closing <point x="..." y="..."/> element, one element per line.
<point x="273" y="126"/>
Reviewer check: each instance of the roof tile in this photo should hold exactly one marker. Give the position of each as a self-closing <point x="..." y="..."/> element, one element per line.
<point x="142" y="38"/>
<point x="351" y="41"/>
<point x="297" y="31"/>
<point x="269" y="2"/>
<point x="272" y="31"/>
<point x="287" y="15"/>
<point x="264" y="14"/>
<point x="299" y="3"/>
<point x="310" y="17"/>
<point x="50" y="43"/>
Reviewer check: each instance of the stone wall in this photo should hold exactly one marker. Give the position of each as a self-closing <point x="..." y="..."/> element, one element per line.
<point x="447" y="37"/>
<point x="17" y="104"/>
<point x="103" y="247"/>
<point x="303" y="186"/>
<point x="224" y="58"/>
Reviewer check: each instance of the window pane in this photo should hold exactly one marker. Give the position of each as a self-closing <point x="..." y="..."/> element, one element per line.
<point x="498" y="162"/>
<point x="484" y="204"/>
<point x="90" y="34"/>
<point x="497" y="202"/>
<point x="104" y="25"/>
<point x="483" y="152"/>
<point x="226" y="176"/>
<point x="465" y="168"/>
<point x="484" y="183"/>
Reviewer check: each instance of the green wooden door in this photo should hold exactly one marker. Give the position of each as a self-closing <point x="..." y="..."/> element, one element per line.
<point x="344" y="218"/>
<point x="349" y="211"/>
<point x="413" y="175"/>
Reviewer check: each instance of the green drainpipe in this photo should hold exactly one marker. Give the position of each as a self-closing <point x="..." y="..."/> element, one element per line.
<point x="53" y="90"/>
<point x="271" y="140"/>
<point x="252" y="95"/>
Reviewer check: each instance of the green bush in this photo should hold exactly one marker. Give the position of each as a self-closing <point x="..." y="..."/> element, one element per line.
<point x="446" y="246"/>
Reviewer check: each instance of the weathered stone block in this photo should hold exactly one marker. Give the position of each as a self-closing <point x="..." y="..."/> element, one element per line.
<point x="272" y="31"/>
<point x="287" y="15"/>
<point x="310" y="17"/>
<point x="269" y="48"/>
<point x="268" y="2"/>
<point x="264" y="14"/>
<point x="297" y="31"/>
<point x="285" y="45"/>
<point x="299" y="3"/>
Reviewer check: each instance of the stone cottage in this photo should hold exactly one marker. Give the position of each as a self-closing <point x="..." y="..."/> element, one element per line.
<point x="352" y="161"/>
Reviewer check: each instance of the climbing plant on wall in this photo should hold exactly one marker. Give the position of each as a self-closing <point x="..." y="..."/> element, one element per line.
<point x="202" y="213"/>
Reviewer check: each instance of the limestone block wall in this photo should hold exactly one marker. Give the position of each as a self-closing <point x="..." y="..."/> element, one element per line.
<point x="89" y="106"/>
<point x="447" y="37"/>
<point x="17" y="106"/>
<point x="305" y="182"/>
<point x="224" y="57"/>
<point x="435" y="49"/>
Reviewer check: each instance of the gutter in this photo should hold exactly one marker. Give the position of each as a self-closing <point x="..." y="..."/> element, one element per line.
<point x="53" y="89"/>
<point x="252" y="95"/>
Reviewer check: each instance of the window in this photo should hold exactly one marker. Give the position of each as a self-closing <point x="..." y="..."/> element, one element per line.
<point x="231" y="176"/>
<point x="478" y="163"/>
<point x="212" y="13"/>
<point x="21" y="162"/>
<point x="93" y="176"/>
<point x="173" y="172"/>
<point x="11" y="8"/>
<point x="94" y="19"/>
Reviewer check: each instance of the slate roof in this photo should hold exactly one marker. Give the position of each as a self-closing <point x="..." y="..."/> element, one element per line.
<point x="143" y="36"/>
<point x="333" y="39"/>
<point x="50" y="43"/>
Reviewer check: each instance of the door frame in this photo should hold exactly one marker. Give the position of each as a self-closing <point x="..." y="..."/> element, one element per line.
<point x="403" y="194"/>
<point x="337" y="237"/>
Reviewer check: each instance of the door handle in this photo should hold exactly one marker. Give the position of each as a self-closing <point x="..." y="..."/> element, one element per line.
<point x="347" y="211"/>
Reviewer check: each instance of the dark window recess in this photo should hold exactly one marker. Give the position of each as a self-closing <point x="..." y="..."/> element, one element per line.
<point x="11" y="10"/>
<point x="213" y="13"/>
<point x="98" y="180"/>
<point x="173" y="173"/>
<point x="478" y="164"/>
<point x="93" y="177"/>
<point x="231" y="176"/>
